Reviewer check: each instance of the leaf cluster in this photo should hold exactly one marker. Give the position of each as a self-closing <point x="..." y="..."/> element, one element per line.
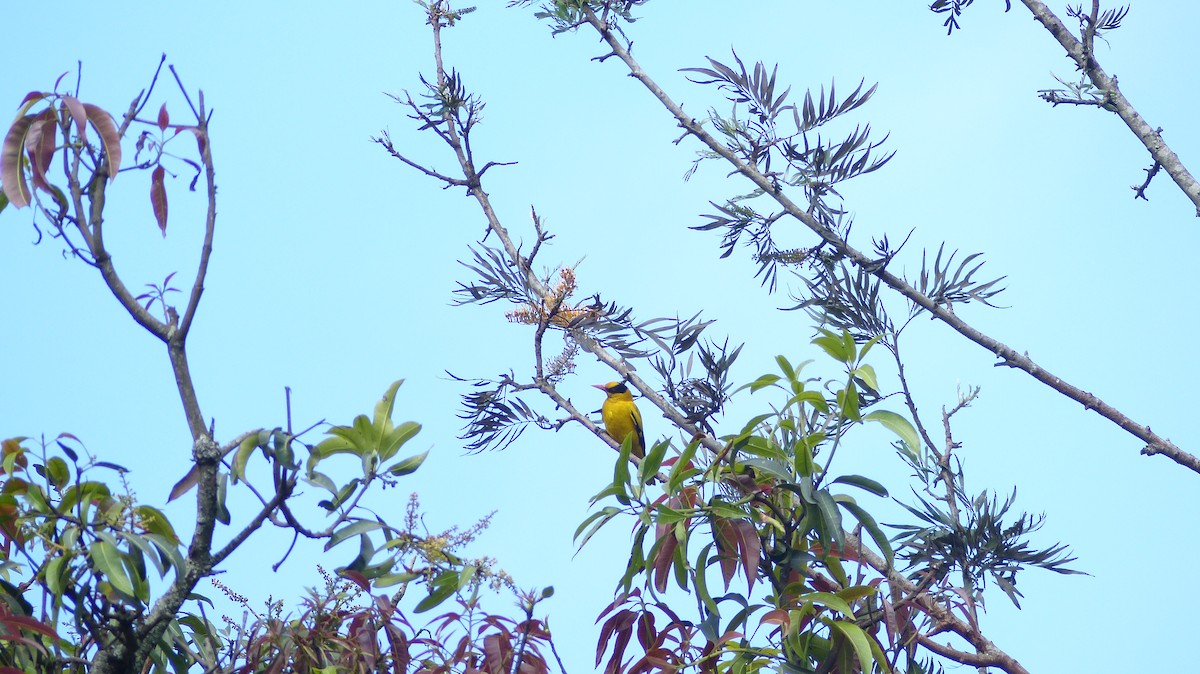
<point x="764" y="511"/>
<point x="980" y="540"/>
<point x="799" y="156"/>
<point x="954" y="9"/>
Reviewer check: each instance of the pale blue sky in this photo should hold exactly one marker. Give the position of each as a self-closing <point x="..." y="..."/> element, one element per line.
<point x="334" y="266"/>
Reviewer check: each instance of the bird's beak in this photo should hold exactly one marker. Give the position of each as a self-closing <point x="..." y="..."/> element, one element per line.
<point x="599" y="386"/>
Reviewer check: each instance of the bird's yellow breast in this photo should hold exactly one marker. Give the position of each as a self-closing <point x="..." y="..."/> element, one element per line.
<point x="622" y="418"/>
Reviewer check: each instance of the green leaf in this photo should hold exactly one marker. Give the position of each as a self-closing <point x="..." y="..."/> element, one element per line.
<point x="772" y="467"/>
<point x="37" y="499"/>
<point x="861" y="482"/>
<point x="393" y="441"/>
<point x="56" y="575"/>
<point x="351" y="530"/>
<point x="786" y="368"/>
<point x="155" y="522"/>
<point x="832" y="517"/>
<point x="410" y="464"/>
<point x="3" y="198"/>
<point x="813" y="398"/>
<point x="466" y="575"/>
<point x="147" y="550"/>
<point x="760" y="383"/>
<point x="680" y="562"/>
<point x="868" y="522"/>
<point x="389" y="579"/>
<point x="898" y="425"/>
<point x="848" y="399"/>
<point x="753" y="423"/>
<point x="664" y="515"/>
<point x="323" y="481"/>
<point x="862" y="353"/>
<point x="343" y="495"/>
<point x="857" y="638"/>
<point x="441" y="589"/>
<point x="653" y="460"/>
<point x="247" y="446"/>
<point x="702" y="562"/>
<point x="57" y="472"/>
<point x="803" y="461"/>
<point x="223" y="515"/>
<point x="867" y="374"/>
<point x="600" y="518"/>
<point x="760" y="446"/>
<point x="107" y="559"/>
<point x="829" y="600"/>
<point x="168" y="550"/>
<point x="621" y="474"/>
<point x="856" y="592"/>
<point x="383" y="409"/>
<point x="679" y="470"/>
<point x="726" y="510"/>
<point x="835" y="346"/>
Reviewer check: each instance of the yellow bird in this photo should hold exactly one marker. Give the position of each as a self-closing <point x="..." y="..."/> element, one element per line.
<point x="621" y="416"/>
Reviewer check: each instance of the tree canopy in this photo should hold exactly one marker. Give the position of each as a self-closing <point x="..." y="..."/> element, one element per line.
<point x="849" y="510"/>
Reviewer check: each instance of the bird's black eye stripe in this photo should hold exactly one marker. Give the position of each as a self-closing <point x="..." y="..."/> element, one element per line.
<point x="620" y="388"/>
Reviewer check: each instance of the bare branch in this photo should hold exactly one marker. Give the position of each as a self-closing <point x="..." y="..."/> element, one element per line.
<point x="1081" y="52"/>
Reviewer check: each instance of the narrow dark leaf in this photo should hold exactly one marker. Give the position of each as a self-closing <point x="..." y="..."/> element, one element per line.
<point x="158" y="198"/>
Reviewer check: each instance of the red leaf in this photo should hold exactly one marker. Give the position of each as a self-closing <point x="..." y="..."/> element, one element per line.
<point x="399" y="643"/>
<point x="498" y="653"/>
<point x="775" y="617"/>
<point x="107" y="128"/>
<point x="620" y="625"/>
<point x="40" y="144"/>
<point x="663" y="559"/>
<point x="723" y="534"/>
<point x="27" y="102"/>
<point x="356" y="577"/>
<point x="164" y="120"/>
<point x="31" y="624"/>
<point x="158" y="198"/>
<point x="647" y="637"/>
<point x="614" y="663"/>
<point x="12" y="155"/>
<point x="889" y="621"/>
<point x="78" y="114"/>
<point x="750" y="546"/>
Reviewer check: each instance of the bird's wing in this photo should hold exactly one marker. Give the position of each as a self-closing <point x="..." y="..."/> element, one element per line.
<point x="637" y="428"/>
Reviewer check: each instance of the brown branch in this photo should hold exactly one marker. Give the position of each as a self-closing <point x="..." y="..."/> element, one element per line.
<point x="1154" y="443"/>
<point x="1081" y="53"/>
<point x="210" y="220"/>
<point x="92" y="227"/>
<point x="206" y="453"/>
